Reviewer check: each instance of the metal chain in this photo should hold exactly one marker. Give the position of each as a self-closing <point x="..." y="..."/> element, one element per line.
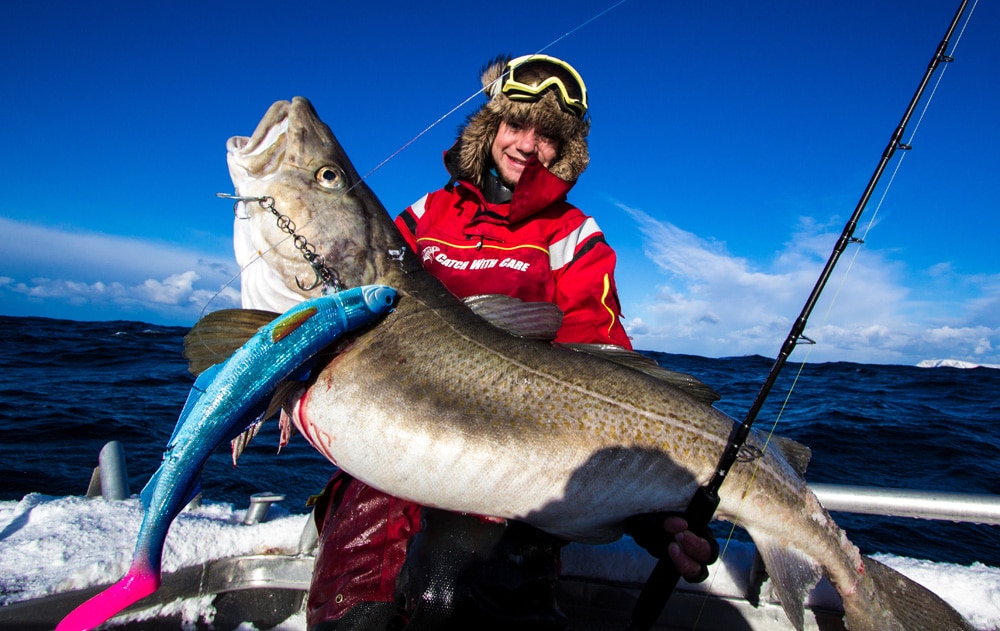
<point x="326" y="275"/>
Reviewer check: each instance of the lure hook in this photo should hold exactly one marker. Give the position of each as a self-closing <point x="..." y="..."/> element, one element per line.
<point x="316" y="283"/>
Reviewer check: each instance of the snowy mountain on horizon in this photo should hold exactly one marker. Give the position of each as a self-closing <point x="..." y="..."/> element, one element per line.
<point x="952" y="363"/>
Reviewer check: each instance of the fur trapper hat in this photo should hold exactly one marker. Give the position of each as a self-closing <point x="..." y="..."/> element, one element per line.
<point x="476" y="137"/>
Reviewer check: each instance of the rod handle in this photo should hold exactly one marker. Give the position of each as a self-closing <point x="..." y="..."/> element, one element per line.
<point x="664" y="577"/>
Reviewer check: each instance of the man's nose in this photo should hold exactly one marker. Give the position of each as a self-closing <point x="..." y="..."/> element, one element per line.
<point x="527" y="142"/>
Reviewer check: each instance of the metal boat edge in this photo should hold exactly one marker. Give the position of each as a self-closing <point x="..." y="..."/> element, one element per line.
<point x="266" y="590"/>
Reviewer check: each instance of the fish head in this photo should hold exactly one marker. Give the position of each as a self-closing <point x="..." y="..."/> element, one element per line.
<point x="305" y="197"/>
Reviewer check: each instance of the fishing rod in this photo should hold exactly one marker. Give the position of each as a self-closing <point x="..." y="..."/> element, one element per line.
<point x="663" y="579"/>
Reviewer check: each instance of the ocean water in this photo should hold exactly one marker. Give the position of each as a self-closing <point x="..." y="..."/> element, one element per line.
<point x="67" y="387"/>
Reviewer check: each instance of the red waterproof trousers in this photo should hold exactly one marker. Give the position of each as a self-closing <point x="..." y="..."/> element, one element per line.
<point x="363" y="540"/>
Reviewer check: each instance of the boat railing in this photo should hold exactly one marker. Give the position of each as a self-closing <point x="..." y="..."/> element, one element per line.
<point x="889" y="502"/>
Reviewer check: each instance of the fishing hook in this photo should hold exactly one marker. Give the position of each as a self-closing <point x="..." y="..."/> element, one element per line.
<point x="239" y="200"/>
<point x="314" y="284"/>
<point x="323" y="277"/>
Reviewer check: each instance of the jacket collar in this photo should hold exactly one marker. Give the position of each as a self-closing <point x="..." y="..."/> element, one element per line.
<point x="537" y="189"/>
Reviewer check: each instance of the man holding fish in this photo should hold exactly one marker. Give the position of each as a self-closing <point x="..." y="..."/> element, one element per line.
<point x="501" y="225"/>
<point x="466" y="405"/>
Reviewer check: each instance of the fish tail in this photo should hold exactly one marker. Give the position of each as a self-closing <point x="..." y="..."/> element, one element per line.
<point x="881" y="599"/>
<point x="890" y="600"/>
<point x="140" y="581"/>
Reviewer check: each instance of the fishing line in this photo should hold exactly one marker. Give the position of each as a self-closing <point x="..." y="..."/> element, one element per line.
<point x="881" y="201"/>
<point x="871" y="222"/>
<point x="392" y="156"/>
<point x="705" y="501"/>
<point x="483" y="89"/>
<point x="916" y="127"/>
<point x="480" y="91"/>
<point x="568" y="33"/>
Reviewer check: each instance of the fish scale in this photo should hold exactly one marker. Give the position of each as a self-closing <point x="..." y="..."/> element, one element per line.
<point x="442" y="407"/>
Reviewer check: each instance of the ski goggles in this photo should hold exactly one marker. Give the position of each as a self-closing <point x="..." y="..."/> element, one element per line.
<point x="517" y="79"/>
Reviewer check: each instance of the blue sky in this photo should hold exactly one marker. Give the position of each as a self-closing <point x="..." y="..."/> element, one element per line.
<point x="731" y="141"/>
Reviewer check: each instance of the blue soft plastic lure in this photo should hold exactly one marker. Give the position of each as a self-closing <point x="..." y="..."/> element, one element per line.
<point x="224" y="400"/>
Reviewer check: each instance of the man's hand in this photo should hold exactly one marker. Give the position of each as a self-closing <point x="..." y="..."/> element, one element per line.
<point x="666" y="535"/>
<point x="690" y="553"/>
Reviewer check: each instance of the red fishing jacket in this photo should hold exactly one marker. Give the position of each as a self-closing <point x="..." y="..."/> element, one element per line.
<point x="537" y="247"/>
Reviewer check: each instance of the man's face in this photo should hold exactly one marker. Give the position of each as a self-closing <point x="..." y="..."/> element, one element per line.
<point x="514" y="144"/>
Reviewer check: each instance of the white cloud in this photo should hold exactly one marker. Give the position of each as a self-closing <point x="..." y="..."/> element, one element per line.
<point x="97" y="276"/>
<point x="710" y="302"/>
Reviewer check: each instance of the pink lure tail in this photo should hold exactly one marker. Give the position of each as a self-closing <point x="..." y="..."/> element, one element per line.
<point x="133" y="587"/>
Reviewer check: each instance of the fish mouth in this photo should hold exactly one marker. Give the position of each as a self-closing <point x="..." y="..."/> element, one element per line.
<point x="260" y="155"/>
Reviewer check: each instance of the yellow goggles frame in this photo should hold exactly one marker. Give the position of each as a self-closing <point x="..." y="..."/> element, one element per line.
<point x="515" y="90"/>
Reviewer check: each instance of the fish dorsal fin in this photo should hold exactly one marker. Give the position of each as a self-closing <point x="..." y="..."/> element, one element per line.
<point x="647" y="365"/>
<point x="217" y="336"/>
<point x="534" y="320"/>
<point x="541" y="320"/>
<point x="797" y="454"/>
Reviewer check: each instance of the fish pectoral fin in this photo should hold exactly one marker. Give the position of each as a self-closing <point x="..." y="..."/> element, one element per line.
<point x="217" y="336"/>
<point x="793" y="575"/>
<point x="284" y="390"/>
<point x="647" y="365"/>
<point x="240" y="443"/>
<point x="281" y="394"/>
<point x="533" y="320"/>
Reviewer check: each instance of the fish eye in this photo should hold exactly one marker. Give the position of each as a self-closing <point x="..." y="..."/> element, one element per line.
<point x="330" y="177"/>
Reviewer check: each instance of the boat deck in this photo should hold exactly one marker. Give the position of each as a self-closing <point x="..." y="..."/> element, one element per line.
<point x="598" y="589"/>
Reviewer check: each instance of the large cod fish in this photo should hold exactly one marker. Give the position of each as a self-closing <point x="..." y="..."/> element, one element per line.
<point x="437" y="406"/>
